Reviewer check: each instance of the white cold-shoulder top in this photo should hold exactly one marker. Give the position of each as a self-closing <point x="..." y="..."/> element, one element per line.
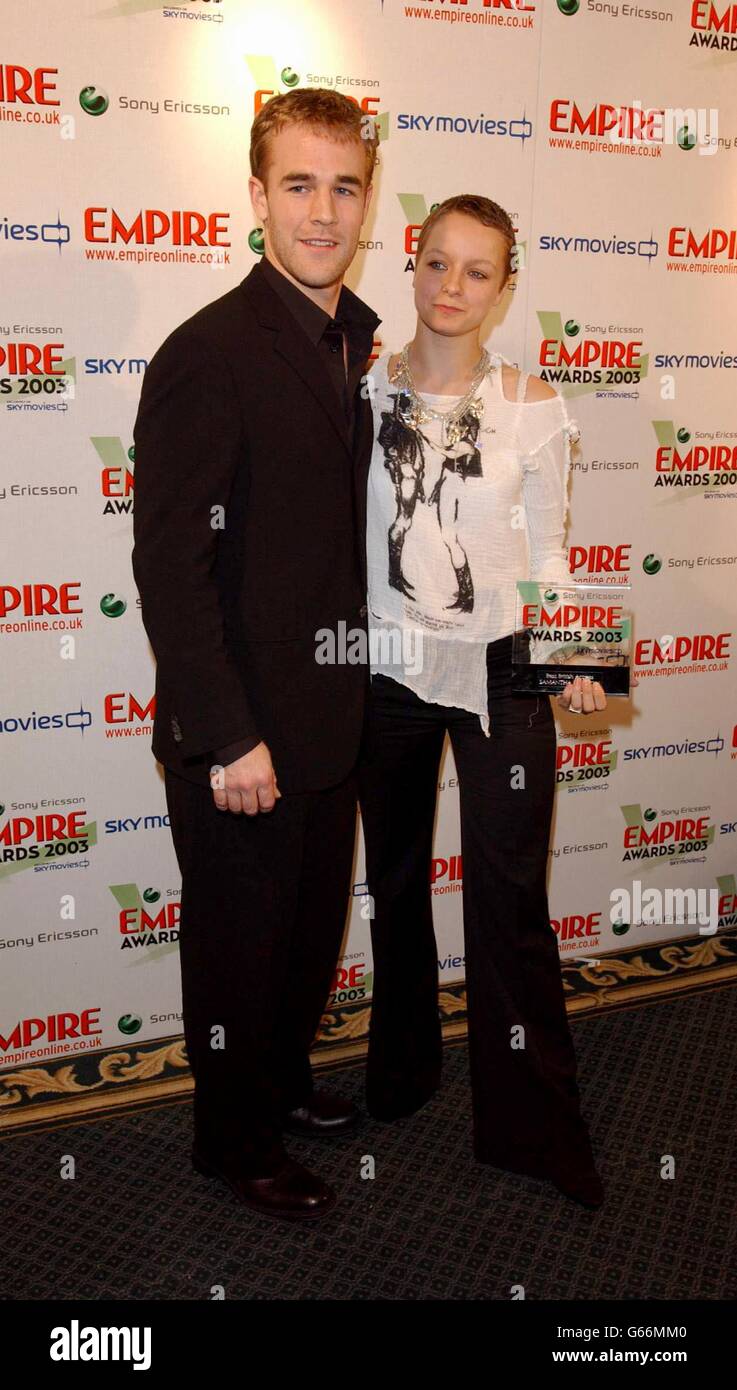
<point x="450" y="531"/>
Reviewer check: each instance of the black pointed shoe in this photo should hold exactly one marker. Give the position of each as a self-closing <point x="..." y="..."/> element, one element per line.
<point x="398" y="1107"/>
<point x="292" y="1193"/>
<point x="585" y="1187"/>
<point x="324" y="1115"/>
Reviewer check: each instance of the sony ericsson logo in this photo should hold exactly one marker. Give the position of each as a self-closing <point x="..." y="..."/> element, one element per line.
<point x="710" y="21"/>
<point x="48" y="233"/>
<point x="94" y="101"/>
<point x="268" y="79"/>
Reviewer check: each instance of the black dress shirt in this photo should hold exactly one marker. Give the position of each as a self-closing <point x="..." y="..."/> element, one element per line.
<point x="354" y="325"/>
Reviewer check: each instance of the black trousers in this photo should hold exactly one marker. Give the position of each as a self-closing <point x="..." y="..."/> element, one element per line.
<point x="263" y="909"/>
<point x="526" y="1115"/>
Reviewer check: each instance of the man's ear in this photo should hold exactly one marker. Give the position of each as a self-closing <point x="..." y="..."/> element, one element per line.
<point x="258" y="197"/>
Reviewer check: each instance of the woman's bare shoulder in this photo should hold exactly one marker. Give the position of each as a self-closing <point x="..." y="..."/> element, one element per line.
<point x="536" y="389"/>
<point x="539" y="390"/>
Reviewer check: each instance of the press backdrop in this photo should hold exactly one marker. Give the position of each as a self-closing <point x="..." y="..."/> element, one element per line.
<point x="608" y="133"/>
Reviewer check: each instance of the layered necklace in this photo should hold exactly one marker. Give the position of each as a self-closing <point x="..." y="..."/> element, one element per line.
<point x="413" y="411"/>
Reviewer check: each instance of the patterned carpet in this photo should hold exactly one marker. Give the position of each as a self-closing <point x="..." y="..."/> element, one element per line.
<point x="137" y="1222"/>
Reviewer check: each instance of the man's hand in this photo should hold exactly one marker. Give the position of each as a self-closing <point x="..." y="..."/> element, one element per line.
<point x="582" y="696"/>
<point x="248" y="784"/>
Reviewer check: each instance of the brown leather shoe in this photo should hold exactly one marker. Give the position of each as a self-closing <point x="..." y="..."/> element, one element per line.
<point x="293" y="1193"/>
<point x="324" y="1115"/>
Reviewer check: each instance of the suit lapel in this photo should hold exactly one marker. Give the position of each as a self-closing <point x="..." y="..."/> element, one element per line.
<point x="364" y="448"/>
<point x="294" y="346"/>
<point x="296" y="349"/>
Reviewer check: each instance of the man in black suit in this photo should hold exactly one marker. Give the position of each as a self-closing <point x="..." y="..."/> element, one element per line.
<point x="253" y="440"/>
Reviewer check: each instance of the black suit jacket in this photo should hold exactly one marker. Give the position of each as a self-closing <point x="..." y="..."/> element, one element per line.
<point x="249" y="537"/>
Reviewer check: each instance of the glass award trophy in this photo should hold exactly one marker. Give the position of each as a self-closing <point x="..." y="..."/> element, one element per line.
<point x="563" y="631"/>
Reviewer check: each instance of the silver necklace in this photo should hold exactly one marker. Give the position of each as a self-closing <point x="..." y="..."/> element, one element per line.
<point x="413" y="411"/>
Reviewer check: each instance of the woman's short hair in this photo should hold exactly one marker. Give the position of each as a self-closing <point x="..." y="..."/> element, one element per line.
<point x="326" y="112"/>
<point x="490" y="214"/>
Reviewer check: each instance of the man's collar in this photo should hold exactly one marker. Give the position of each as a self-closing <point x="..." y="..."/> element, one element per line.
<point x="350" y="310"/>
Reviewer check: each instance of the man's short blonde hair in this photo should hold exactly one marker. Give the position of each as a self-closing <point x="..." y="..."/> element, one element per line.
<point x="326" y="112"/>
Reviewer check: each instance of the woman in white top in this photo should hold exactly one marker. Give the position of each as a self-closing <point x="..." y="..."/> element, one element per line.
<point x="467" y="494"/>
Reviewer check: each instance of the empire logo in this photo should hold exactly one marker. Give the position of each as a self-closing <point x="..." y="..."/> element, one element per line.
<point x="682" y="464"/>
<point x="49" y="836"/>
<point x="552" y="619"/>
<point x="28" y="86"/>
<point x="727" y="908"/>
<point x="446" y="875"/>
<point x="646" y="836"/>
<point x="632" y="123"/>
<point x="585" y="761"/>
<point x="116" y="474"/>
<point x="179" y="227"/>
<point x="567" y="357"/>
<point x="713" y="25"/>
<point x="55" y="1028"/>
<point x="35" y="600"/>
<point x="416" y="211"/>
<point x="577" y="927"/>
<point x="508" y="6"/>
<point x="599" y="559"/>
<point x="143" y="919"/>
<point x="32" y="359"/>
<point x="123" y="712"/>
<point x="675" y="651"/>
<point x="350" y="983"/>
<point x="704" y="246"/>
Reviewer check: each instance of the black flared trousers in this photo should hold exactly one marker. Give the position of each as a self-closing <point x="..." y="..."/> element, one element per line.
<point x="263" y="909"/>
<point x="526" y="1114"/>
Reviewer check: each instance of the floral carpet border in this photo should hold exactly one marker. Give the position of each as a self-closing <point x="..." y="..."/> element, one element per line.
<point x="156" y="1072"/>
